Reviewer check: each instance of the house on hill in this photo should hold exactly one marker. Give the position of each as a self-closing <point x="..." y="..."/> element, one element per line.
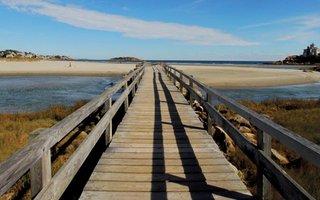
<point x="311" y="50"/>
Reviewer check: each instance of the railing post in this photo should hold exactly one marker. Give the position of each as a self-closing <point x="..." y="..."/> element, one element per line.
<point x="174" y="78"/>
<point x="191" y="99"/>
<point x="126" y="101"/>
<point x="263" y="185"/>
<point x="180" y="83"/>
<point x="209" y="119"/>
<point x="170" y="74"/>
<point x="108" y="131"/>
<point x="40" y="173"/>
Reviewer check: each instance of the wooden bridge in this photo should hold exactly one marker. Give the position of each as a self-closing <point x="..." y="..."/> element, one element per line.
<point x="160" y="150"/>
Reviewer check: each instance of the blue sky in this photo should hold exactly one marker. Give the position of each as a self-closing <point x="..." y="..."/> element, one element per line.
<point x="167" y="29"/>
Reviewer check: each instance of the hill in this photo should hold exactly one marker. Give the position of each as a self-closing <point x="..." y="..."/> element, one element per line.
<point x="126" y="59"/>
<point x="25" y="56"/>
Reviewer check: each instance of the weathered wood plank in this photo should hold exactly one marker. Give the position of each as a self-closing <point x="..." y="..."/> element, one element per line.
<point x="152" y="155"/>
<point x="209" y="186"/>
<point x="217" y="195"/>
<point x="167" y="162"/>
<point x="175" y="177"/>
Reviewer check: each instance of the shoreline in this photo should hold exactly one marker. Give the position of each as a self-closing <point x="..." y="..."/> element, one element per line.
<point x="221" y="77"/>
<point x="215" y="76"/>
<point x="63" y="68"/>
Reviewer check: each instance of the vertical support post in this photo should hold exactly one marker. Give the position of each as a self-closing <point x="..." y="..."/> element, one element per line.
<point x="170" y="75"/>
<point x="134" y="87"/>
<point x="191" y="99"/>
<point x="40" y="173"/>
<point x="174" y="78"/>
<point x="180" y="83"/>
<point x="108" y="131"/>
<point x="209" y="119"/>
<point x="263" y="185"/>
<point x="126" y="101"/>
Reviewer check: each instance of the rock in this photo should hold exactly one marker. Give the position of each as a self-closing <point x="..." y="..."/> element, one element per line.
<point x="282" y="159"/>
<point x="244" y="129"/>
<point x="251" y="137"/>
<point x="238" y="120"/>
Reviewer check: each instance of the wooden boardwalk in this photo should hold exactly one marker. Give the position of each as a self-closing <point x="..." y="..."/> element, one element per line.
<point x="161" y="151"/>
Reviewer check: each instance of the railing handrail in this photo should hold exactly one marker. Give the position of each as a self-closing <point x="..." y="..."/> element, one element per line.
<point x="307" y="149"/>
<point x="18" y="164"/>
<point x="257" y="154"/>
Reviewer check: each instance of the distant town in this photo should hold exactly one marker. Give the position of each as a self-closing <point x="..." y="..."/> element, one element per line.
<point x="21" y="55"/>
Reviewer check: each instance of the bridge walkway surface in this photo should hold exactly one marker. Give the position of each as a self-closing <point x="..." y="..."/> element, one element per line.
<point x="161" y="151"/>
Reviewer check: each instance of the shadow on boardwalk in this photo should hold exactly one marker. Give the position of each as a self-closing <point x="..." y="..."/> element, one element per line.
<point x="195" y="187"/>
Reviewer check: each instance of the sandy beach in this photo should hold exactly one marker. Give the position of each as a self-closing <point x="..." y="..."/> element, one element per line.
<point x="248" y="77"/>
<point x="64" y="68"/>
<point x="214" y="76"/>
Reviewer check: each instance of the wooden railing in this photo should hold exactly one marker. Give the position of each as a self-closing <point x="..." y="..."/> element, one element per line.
<point x="36" y="156"/>
<point x="268" y="171"/>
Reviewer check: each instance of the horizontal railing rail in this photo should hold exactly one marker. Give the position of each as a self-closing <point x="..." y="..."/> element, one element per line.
<point x="36" y="156"/>
<point x="260" y="154"/>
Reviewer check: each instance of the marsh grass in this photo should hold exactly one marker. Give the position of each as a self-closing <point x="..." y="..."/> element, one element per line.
<point x="301" y="117"/>
<point x="14" y="135"/>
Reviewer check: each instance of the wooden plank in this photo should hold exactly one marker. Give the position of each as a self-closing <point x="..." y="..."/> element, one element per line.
<point x="150" y="141"/>
<point x="175" y="177"/>
<point x="159" y="162"/>
<point x="159" y="150"/>
<point x="159" y="145"/>
<point x="125" y="186"/>
<point x="217" y="195"/>
<point x="152" y="155"/>
<point x="166" y="169"/>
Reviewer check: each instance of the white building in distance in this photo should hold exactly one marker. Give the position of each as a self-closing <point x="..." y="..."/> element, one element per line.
<point x="311" y="51"/>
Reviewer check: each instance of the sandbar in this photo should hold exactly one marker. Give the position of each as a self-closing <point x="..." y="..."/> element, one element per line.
<point x="216" y="76"/>
<point x="248" y="77"/>
<point x="80" y="68"/>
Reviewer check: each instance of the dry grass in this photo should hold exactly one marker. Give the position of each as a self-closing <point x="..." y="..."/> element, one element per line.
<point x="301" y="117"/>
<point x="14" y="134"/>
<point x="15" y="128"/>
<point x="20" y="59"/>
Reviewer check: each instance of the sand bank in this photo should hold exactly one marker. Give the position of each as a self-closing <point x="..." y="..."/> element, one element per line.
<point x="247" y="77"/>
<point x="215" y="76"/>
<point x="64" y="68"/>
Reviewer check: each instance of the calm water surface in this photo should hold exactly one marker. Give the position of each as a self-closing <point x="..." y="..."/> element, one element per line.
<point x="303" y="91"/>
<point x="33" y="93"/>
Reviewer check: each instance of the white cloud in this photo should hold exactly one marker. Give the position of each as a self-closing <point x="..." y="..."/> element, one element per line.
<point x="298" y="28"/>
<point x="129" y="27"/>
<point x="305" y="22"/>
